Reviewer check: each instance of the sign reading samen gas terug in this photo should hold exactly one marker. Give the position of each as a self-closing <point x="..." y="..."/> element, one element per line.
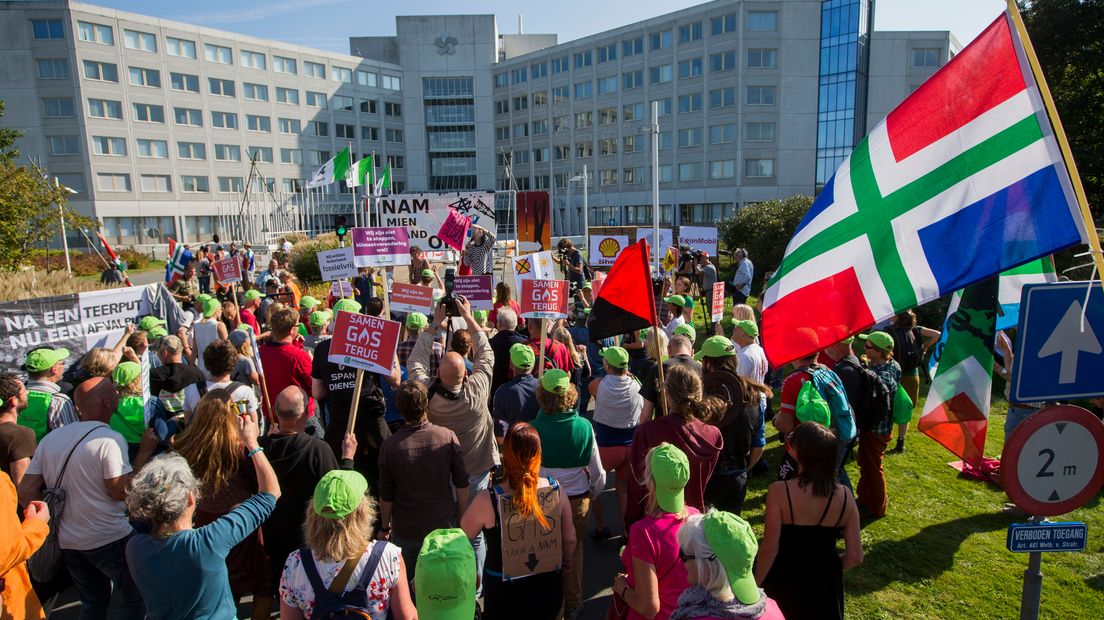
<point x="424" y="214"/>
<point x="365" y="342"/>
<point x="543" y="299"/>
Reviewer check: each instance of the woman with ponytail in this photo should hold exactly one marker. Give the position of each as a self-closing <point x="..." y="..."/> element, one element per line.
<point x="522" y="490"/>
<point x="688" y="426"/>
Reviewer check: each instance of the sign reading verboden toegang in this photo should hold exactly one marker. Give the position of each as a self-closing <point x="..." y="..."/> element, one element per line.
<point x="381" y="247"/>
<point x="477" y="290"/>
<point x="717" y="309"/>
<point x="543" y="299"/>
<point x="411" y="298"/>
<point x="336" y="264"/>
<point x="227" y="270"/>
<point x="364" y="342"/>
<point x="423" y="214"/>
<point x="527" y="547"/>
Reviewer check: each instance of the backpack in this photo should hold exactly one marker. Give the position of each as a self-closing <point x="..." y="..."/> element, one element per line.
<point x="828" y="391"/>
<point x="588" y="271"/>
<point x="907" y="348"/>
<point x="874" y="401"/>
<point x="334" y="603"/>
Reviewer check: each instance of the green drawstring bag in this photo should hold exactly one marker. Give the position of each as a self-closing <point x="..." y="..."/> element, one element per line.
<point x="811" y="406"/>
<point x="902" y="406"/>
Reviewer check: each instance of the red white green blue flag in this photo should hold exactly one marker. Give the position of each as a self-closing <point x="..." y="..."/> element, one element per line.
<point x="960" y="182"/>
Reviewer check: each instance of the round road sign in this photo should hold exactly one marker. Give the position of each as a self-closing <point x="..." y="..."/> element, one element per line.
<point x="1053" y="462"/>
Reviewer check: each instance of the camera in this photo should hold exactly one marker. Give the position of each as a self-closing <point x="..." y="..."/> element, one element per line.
<point x="449" y="300"/>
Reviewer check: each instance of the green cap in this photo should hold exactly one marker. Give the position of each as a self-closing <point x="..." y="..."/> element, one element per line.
<point x="41" y="360"/>
<point x="147" y="323"/>
<point x="588" y="287"/>
<point x="210" y="307"/>
<point x="253" y="294"/>
<point x="748" y="327"/>
<point x="202" y="297"/>
<point x="881" y="340"/>
<point x="347" y="305"/>
<point x="689" y="301"/>
<point x="555" y="380"/>
<point x="125" y="373"/>
<point x="617" y="357"/>
<point x="679" y="300"/>
<point x="307" y="302"/>
<point x="847" y="340"/>
<point x="156" y="333"/>
<point x="716" y="346"/>
<point x="686" y="329"/>
<point x="318" y="318"/>
<point x="445" y="577"/>
<point x="734" y="544"/>
<point x="480" y="316"/>
<point x="339" y="493"/>
<point x="521" y="355"/>
<point x="427" y="273"/>
<point x="416" y="321"/>
<point x="670" y="473"/>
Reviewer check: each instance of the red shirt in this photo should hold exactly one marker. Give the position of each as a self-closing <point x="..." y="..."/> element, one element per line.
<point x="286" y="364"/>
<point x="246" y="316"/>
<point x="790" y="388"/>
<point x="554" y="352"/>
<point x="492" y="318"/>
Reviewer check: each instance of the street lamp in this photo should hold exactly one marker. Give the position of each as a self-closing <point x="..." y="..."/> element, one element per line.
<point x="586" y="211"/>
<point x="61" y="217"/>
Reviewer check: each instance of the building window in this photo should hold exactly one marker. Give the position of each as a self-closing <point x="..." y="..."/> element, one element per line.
<point x="261" y="154"/>
<point x="584" y="59"/>
<point x="630" y="47"/>
<point x="341" y="74"/>
<point x="218" y="53"/>
<point x="143" y="41"/>
<point x="691" y="102"/>
<point x="632" y="176"/>
<point x="661" y="40"/>
<point x="690" y="172"/>
<point x="341" y="103"/>
<point x="664" y="138"/>
<point x="521" y="130"/>
<point x="722" y="97"/>
<point x="722" y="24"/>
<point x="632" y="79"/>
<point x="369" y="106"/>
<point x="227" y="152"/>
<point x="925" y="57"/>
<point x="140" y="76"/>
<point x="342" y="130"/>
<point x="723" y="169"/>
<point x="54" y="69"/>
<point x="316" y="100"/>
<point x="763" y="20"/>
<point x="722" y="134"/>
<point x="560" y="65"/>
<point x="760" y="95"/>
<point x="607" y="116"/>
<point x="101" y="71"/>
<point x="607" y="53"/>
<point x="519" y="157"/>
<point x="540" y="127"/>
<point x="230" y="184"/>
<point x="759" y="132"/>
<point x="191" y="150"/>
<point x="502" y="80"/>
<point x="290" y="126"/>
<point x="48" y="29"/>
<point x="64" y="145"/>
<point x="390" y="108"/>
<point x="288" y="96"/>
<point x="722" y="61"/>
<point x="152" y="149"/>
<point x="224" y="120"/>
<point x="282" y="64"/>
<point x="664" y="106"/>
<point x="392" y="82"/>
<point x="188" y="117"/>
<point x="561" y="94"/>
<point x="103" y="108"/>
<point x="149" y="113"/>
<point x="630" y="144"/>
<point x="291" y="156"/>
<point x="318" y="129"/>
<point x="561" y="124"/>
<point x="502" y="107"/>
<point x="633" y="112"/>
<point x="194" y="184"/>
<point x="584" y="149"/>
<point x="664" y="177"/>
<point x="292" y="186"/>
<point x="96" y="33"/>
<point x="224" y="88"/>
<point x="521" y="103"/>
<point x="112" y="182"/>
<point x="539" y="70"/>
<point x="758" y="168"/>
<point x="607" y="177"/>
<point x="762" y="58"/>
<point x="540" y="155"/>
<point x="184" y="82"/>
<point x="690" y="32"/>
<point x="584" y="120"/>
<point x="369" y="133"/>
<point x="691" y="136"/>
<point x="502" y="133"/>
<point x="520" y="75"/>
<point x="314" y="69"/>
<point x="254" y="122"/>
<point x="584" y="90"/>
<point x="561" y="152"/>
<point x="690" y="68"/>
<point x="540" y="99"/>
<point x="607" y="146"/>
<point x="181" y="48"/>
<point x="659" y="75"/>
<point x="256" y="92"/>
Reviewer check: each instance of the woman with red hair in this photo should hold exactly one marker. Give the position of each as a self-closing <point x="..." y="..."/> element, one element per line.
<point x="535" y="505"/>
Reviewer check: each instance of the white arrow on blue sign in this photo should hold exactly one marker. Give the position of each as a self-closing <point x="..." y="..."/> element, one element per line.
<point x="1058" y="353"/>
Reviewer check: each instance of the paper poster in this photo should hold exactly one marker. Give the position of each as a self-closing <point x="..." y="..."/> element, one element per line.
<point x="536" y="266"/>
<point x="699" y="238"/>
<point x="717" y="307"/>
<point x="454" y="230"/>
<point x="380" y="247"/>
<point x="605" y="248"/>
<point x="423" y="214"/>
<point x="666" y="237"/>
<point x="365" y="342"/>
<point x="227" y="270"/>
<point x="411" y="298"/>
<point x="341" y="288"/>
<point x="336" y="264"/>
<point x="478" y="290"/>
<point x="543" y="299"/>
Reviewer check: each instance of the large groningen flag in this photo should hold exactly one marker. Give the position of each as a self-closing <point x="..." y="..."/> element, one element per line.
<point x="960" y="182"/>
<point x="336" y="168"/>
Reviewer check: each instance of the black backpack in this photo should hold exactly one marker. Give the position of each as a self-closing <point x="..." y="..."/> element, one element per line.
<point x="874" y="403"/>
<point x="907" y="348"/>
<point x="330" y="605"/>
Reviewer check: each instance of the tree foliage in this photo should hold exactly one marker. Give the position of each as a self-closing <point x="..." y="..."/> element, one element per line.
<point x="8" y="152"/>
<point x="764" y="229"/>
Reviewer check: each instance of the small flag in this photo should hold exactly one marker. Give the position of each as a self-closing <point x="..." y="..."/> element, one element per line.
<point x="619" y="307"/>
<point x="332" y="170"/>
<point x="359" y="173"/>
<point x="114" y="258"/>
<point x="384" y="182"/>
<point x="179" y="257"/>
<point x="536" y="266"/>
<point x="670" y="260"/>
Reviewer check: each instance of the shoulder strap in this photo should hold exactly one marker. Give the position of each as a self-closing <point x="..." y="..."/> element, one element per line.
<point x="337" y="586"/>
<point x="306" y="558"/>
<point x="65" y="465"/>
<point x="786" y="485"/>
<point x="378" y="547"/>
<point x="827" y="506"/>
<point x="843" y="508"/>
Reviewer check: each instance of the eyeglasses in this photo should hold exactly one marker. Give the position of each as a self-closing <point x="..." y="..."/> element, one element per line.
<point x="869" y="346"/>
<point x="686" y="558"/>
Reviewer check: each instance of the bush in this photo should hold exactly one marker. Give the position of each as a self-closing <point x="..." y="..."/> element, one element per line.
<point x="31" y="284"/>
<point x="85" y="264"/>
<point x="765" y="229"/>
<point x="303" y="262"/>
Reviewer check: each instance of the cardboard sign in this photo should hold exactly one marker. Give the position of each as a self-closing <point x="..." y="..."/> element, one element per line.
<point x="336" y="264"/>
<point x="605" y="248"/>
<point x="527" y="548"/>
<point x="718" y="301"/>
<point x="341" y="288"/>
<point x="365" y="342"/>
<point x="478" y="290"/>
<point x="411" y="298"/>
<point x="543" y="299"/>
<point x="380" y="247"/>
<point x="699" y="238"/>
<point x="454" y="229"/>
<point x="227" y="270"/>
<point x="536" y="266"/>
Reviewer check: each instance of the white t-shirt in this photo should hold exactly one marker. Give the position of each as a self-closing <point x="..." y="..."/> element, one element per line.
<point x="244" y="392"/>
<point x="296" y="591"/>
<point x="669" y="328"/>
<point x="752" y="362"/>
<point x="206" y="332"/>
<point x="91" y="519"/>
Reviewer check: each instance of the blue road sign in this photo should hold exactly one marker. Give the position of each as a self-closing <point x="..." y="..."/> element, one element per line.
<point x="1059" y="355"/>
<point x="1031" y="537"/>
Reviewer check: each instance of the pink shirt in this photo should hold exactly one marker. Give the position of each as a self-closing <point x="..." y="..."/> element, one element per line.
<point x="250" y="320"/>
<point x="655" y="541"/>
<point x="772" y="612"/>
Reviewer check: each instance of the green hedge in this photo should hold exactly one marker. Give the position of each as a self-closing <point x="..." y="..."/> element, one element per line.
<point x="304" y="263"/>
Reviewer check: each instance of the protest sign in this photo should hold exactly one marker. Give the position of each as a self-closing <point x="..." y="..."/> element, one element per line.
<point x="227" y="270"/>
<point x="699" y="238"/>
<point x="423" y="214"/>
<point x="666" y="237"/>
<point x="596" y="284"/>
<point x="411" y="298"/>
<point x="543" y="299"/>
<point x="717" y="307"/>
<point x="454" y="229"/>
<point x="536" y="266"/>
<point x="670" y="260"/>
<point x="336" y="264"/>
<point x="380" y="247"/>
<point x="528" y="548"/>
<point x="341" y="288"/>
<point x="477" y="290"/>
<point x="364" y="342"/>
<point x="605" y="248"/>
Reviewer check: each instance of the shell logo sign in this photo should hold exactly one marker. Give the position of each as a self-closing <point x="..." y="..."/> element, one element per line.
<point x="609" y="247"/>
<point x="605" y="248"/>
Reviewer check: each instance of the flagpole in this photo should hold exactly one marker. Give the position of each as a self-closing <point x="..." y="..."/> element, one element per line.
<point x="654" y="130"/>
<point x="1060" y="136"/>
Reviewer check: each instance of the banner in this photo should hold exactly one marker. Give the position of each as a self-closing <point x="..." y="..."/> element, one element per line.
<point x="424" y="214"/>
<point x="534" y="218"/>
<point x="543" y="299"/>
<point x="365" y="342"/>
<point x="717" y="307"/>
<point x="666" y="237"/>
<point x="605" y="248"/>
<point x="411" y="298"/>
<point x="336" y="264"/>
<point x="478" y="290"/>
<point x="381" y="247"/>
<point x="454" y="230"/>
<point x="699" y="238"/>
<point x="536" y="266"/>
<point x="227" y="270"/>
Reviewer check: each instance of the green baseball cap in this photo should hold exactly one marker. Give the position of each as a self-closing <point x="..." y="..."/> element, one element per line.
<point x="156" y="333"/>
<point x="881" y="340"/>
<point x="416" y="321"/>
<point x="202" y="297"/>
<point x="687" y="330"/>
<point x="689" y="301"/>
<point x="318" y="318"/>
<point x="617" y="357"/>
<point x="522" y="356"/>
<point x="847" y="340"/>
<point x="339" y="493"/>
<point x="748" y="327"/>
<point x="480" y="316"/>
<point x="670" y="473"/>
<point x="347" y="305"/>
<point x="253" y="294"/>
<point x="210" y="307"/>
<point x="125" y="373"/>
<point x="307" y="302"/>
<point x="555" y="380"/>
<point x="41" y="360"/>
<point x="679" y="300"/>
<point x="716" y="346"/>
<point x="427" y="273"/>
<point x="445" y="577"/>
<point x="588" y="287"/>
<point x="148" y="322"/>
<point x="734" y="544"/>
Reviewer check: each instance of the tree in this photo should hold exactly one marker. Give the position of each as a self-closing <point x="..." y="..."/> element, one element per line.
<point x="764" y="229"/>
<point x="8" y="152"/>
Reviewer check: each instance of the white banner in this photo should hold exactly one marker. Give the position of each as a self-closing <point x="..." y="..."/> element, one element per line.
<point x="666" y="238"/>
<point x="699" y="238"/>
<point x="605" y="248"/>
<point x="423" y="214"/>
<point x="336" y="264"/>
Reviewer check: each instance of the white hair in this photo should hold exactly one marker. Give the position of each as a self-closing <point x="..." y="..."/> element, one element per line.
<point x="506" y="320"/>
<point x="711" y="573"/>
<point x="158" y="493"/>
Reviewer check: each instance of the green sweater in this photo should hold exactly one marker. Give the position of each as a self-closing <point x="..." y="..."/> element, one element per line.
<point x="565" y="439"/>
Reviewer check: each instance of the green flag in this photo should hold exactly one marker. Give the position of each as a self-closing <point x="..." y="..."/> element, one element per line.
<point x="332" y="170"/>
<point x="384" y="181"/>
<point x="359" y="173"/>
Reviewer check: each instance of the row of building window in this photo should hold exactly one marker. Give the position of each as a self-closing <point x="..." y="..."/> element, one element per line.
<point x="113" y="182"/>
<point x="754" y="131"/>
<point x="719" y="170"/>
<point x="689" y="102"/>
<point x="185" y="48"/>
<point x="148" y="148"/>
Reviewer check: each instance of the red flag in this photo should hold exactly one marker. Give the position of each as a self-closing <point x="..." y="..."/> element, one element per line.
<point x="626" y="301"/>
<point x="114" y="258"/>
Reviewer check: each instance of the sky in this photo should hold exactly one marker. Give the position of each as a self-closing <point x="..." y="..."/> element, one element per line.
<point x="328" y="24"/>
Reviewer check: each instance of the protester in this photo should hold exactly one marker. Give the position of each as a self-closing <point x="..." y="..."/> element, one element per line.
<point x="17" y="442"/>
<point x="421" y="467"/>
<point x="570" y="456"/>
<point x="185" y="289"/>
<point x="89" y="462"/>
<point x="556" y="355"/>
<point x="654" y="348"/>
<point x="270" y="274"/>
<point x="271" y="296"/>
<point x="570" y="260"/>
<point x="680" y="352"/>
<point x="675" y="306"/>
<point x="129" y="419"/>
<point x="753" y="364"/>
<point x="522" y="489"/>
<point x="617" y="410"/>
<point x="338" y="534"/>
<point x="284" y="362"/>
<point x="207" y="330"/>
<point x="415" y="323"/>
<point x="719" y="549"/>
<point x="502" y="343"/>
<point x="221" y="359"/>
<point x="708" y="279"/>
<point x="252" y="303"/>
<point x="797" y="540"/>
<point x="47" y="407"/>
<point x="230" y="316"/>
<point x="17" y="599"/>
<point x="740" y="287"/>
<point x="179" y="386"/>
<point x="444" y="584"/>
<point x="203" y="269"/>
<point x="245" y="368"/>
<point x="654" y="574"/>
<point x="911" y="342"/>
<point x="516" y="400"/>
<point x="288" y="285"/>
<point x="870" y="494"/>
<point x="580" y="363"/>
<point x="685" y="426"/>
<point x="478" y="255"/>
<point x="318" y="329"/>
<point x="504" y="298"/>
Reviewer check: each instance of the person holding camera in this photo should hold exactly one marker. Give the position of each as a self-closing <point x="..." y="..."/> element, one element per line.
<point x="478" y="256"/>
<point x="570" y="260"/>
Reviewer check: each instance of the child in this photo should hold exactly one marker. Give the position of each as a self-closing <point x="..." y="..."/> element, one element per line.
<point x="129" y="419"/>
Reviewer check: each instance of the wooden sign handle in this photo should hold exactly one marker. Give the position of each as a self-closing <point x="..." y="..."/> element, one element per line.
<point x="540" y="365"/>
<point x="356" y="401"/>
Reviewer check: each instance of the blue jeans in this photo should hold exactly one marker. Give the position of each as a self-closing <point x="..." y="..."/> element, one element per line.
<point x="1016" y="415"/>
<point x="477" y="483"/>
<point x="96" y="573"/>
<point x="841" y="460"/>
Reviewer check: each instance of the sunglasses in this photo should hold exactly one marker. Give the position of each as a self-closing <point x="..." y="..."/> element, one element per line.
<point x="686" y="558"/>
